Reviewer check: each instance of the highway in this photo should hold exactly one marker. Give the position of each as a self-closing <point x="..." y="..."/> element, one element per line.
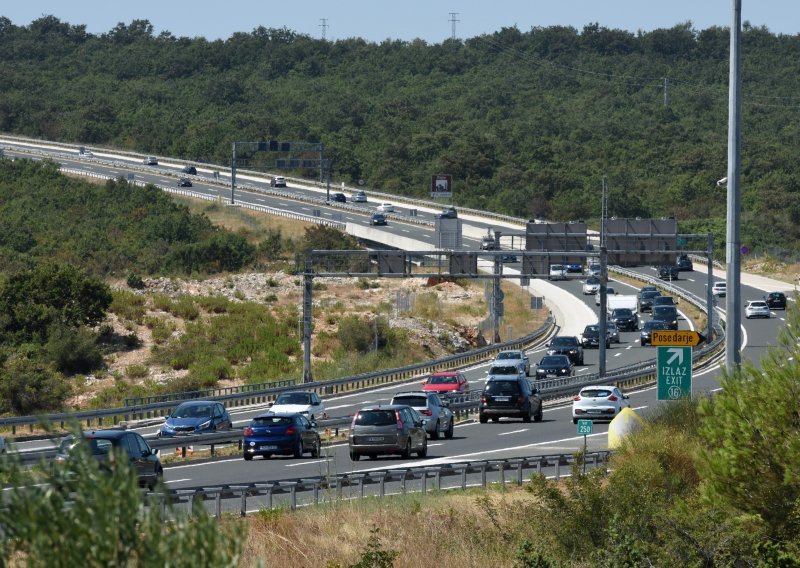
<point x="472" y="441"/>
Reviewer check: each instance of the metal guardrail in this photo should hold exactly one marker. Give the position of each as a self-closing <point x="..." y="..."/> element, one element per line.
<point x="208" y="393"/>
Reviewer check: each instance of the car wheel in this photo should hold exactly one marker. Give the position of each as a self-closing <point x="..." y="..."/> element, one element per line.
<point x="574" y="420"/>
<point x="316" y="448"/>
<point x="495" y="419"/>
<point x="406" y="451"/>
<point x="483" y="419"/>
<point x="247" y="457"/>
<point x="540" y="414"/>
<point x="424" y="451"/>
<point x="527" y="416"/>
<point x="581" y="360"/>
<point x="354" y="456"/>
<point x="373" y="456"/>
<point x="449" y="432"/>
<point x="297" y="451"/>
<point x="435" y="433"/>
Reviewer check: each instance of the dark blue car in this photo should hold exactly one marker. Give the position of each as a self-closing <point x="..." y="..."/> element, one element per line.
<point x="195" y="417"/>
<point x="280" y="433"/>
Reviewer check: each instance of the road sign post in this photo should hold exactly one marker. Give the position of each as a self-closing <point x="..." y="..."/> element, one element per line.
<point x="674" y="373"/>
<point x="585" y="428"/>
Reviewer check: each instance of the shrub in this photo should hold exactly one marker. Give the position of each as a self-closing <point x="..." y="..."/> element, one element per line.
<point x="136" y="371"/>
<point x="135" y="281"/>
<point x="74" y="350"/>
<point x="29" y="386"/>
<point x="128" y="306"/>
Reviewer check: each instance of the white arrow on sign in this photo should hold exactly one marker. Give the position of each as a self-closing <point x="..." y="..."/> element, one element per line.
<point x="677" y="353"/>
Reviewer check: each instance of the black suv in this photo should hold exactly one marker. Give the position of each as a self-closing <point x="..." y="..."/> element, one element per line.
<point x="667" y="314"/>
<point x="339" y="197"/>
<point x="566" y="345"/>
<point x="625" y="319"/>
<point x="684" y="263"/>
<point x="189" y="170"/>
<point x="776" y="300"/>
<point x="591" y="337"/>
<point x="668" y="272"/>
<point x="646" y="300"/>
<point x="514" y="397"/>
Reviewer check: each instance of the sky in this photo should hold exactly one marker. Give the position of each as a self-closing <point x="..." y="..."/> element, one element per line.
<point x="378" y="20"/>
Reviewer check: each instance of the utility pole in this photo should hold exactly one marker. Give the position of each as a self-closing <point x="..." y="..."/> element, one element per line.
<point x="666" y="92"/>
<point x="733" y="303"/>
<point x="601" y="340"/>
<point x="453" y="24"/>
<point x="233" y="170"/>
<point x="324" y="26"/>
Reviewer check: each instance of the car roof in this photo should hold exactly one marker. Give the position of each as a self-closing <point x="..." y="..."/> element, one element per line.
<point x="198" y="402"/>
<point x="593" y="387"/>
<point x="413" y="393"/>
<point x="383" y="407"/>
<point x="445" y="374"/>
<point x="112" y="434"/>
<point x="283" y="414"/>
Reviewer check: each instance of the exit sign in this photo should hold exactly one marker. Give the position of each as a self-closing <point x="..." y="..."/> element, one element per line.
<point x="674" y="373"/>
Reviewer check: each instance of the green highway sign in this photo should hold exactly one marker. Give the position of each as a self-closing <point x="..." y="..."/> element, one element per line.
<point x="584" y="427"/>
<point x="674" y="373"/>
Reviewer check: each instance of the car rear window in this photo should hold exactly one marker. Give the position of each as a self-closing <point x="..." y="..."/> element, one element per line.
<point x="271" y="421"/>
<point x="504" y="370"/>
<point x="294" y="398"/>
<point x="100" y="446"/>
<point x="502" y="387"/>
<point x="411" y="400"/>
<point x="508" y="355"/>
<point x="442" y="380"/>
<point x="376" y="418"/>
<point x="563" y="341"/>
<point x="596" y="393"/>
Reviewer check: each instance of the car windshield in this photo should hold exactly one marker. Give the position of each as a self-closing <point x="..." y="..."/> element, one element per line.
<point x="192" y="411"/>
<point x="590" y="329"/>
<point x="420" y="401"/>
<point x="596" y="393"/>
<point x="664" y="311"/>
<point x="502" y="388"/>
<point x="609" y="291"/>
<point x="593" y="280"/>
<point x="508" y="355"/>
<point x="376" y="418"/>
<point x="758" y="304"/>
<point x="556" y="267"/>
<point x="263" y="421"/>
<point x="651" y="325"/>
<point x="294" y="398"/>
<point x="554" y="360"/>
<point x="650" y="294"/>
<point x="442" y="380"/>
<point x="622" y="312"/>
<point x="96" y="446"/>
<point x="503" y="370"/>
<point x="564" y="342"/>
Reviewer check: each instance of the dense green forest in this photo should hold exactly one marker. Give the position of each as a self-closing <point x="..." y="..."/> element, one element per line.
<point x="527" y="122"/>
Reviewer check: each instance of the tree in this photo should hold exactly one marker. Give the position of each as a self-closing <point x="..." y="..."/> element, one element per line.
<point x="29" y="385"/>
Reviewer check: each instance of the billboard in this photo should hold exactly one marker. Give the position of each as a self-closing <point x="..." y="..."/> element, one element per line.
<point x="641" y="242"/>
<point x="442" y="185"/>
<point x="558" y="238"/>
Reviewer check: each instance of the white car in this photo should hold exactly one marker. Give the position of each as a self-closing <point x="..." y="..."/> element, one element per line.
<point x="591" y="286"/>
<point x="756" y="309"/>
<point x="385" y="208"/>
<point x="719" y="289"/>
<point x="593" y="269"/>
<point x="150" y="161"/>
<point x="557" y="272"/>
<point x="609" y="292"/>
<point x="600" y="402"/>
<point x="306" y="403"/>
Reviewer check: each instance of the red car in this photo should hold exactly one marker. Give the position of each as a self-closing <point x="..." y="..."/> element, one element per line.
<point x="447" y="382"/>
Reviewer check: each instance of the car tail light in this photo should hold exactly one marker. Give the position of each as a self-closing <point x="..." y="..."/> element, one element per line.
<point x="399" y="420"/>
<point x="426" y="412"/>
<point x="577" y="398"/>
<point x="291" y="431"/>
<point x="521" y="399"/>
<point x="483" y="399"/>
<point x="613" y="398"/>
<point x="248" y="432"/>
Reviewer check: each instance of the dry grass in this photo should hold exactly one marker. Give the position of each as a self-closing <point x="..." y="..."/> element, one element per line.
<point x="447" y="530"/>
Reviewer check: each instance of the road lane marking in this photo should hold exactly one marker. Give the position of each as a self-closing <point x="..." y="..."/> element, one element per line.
<point x="513" y="432"/>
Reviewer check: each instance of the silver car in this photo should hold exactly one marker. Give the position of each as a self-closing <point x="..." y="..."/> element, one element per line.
<point x="514" y="355"/>
<point x="387" y="429"/>
<point x="434" y="410"/>
<point x="612" y="331"/>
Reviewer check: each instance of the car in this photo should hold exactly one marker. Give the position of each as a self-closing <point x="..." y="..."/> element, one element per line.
<point x="613" y="331"/>
<point x="195" y="417"/>
<point x="776" y="300"/>
<point x="719" y="289"/>
<point x="185" y="182"/>
<point x="358" y="197"/>
<point x="646" y="300"/>
<point x="591" y="337"/>
<point x="487" y="243"/>
<point x="667" y="314"/>
<point x="684" y="263"/>
<point x="377" y="219"/>
<point x="448" y="213"/>
<point x="86" y="153"/>
<point x="756" y="309"/>
<point x="280" y="433"/>
<point x="625" y="319"/>
<point x="508" y="258"/>
<point x="647" y="330"/>
<point x="609" y="292"/>
<point x="554" y="366"/>
<point x="150" y="161"/>
<point x="446" y="383"/>
<point x="512" y="397"/>
<point x="593" y="269"/>
<point x="574" y="267"/>
<point x="505" y="370"/>
<point x="387" y="429"/>
<point x="385" y="208"/>
<point x="278" y="181"/>
<point x="557" y="272"/>
<point x="189" y="170"/>
<point x="439" y="418"/>
<point x="306" y="403"/>
<point x="645" y="289"/>
<point x="598" y="402"/>
<point x="518" y="355"/>
<point x="338" y="197"/>
<point x="668" y="272"/>
<point x="591" y="286"/>
<point x="664" y="301"/>
<point x="103" y="445"/>
<point x="566" y="345"/>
